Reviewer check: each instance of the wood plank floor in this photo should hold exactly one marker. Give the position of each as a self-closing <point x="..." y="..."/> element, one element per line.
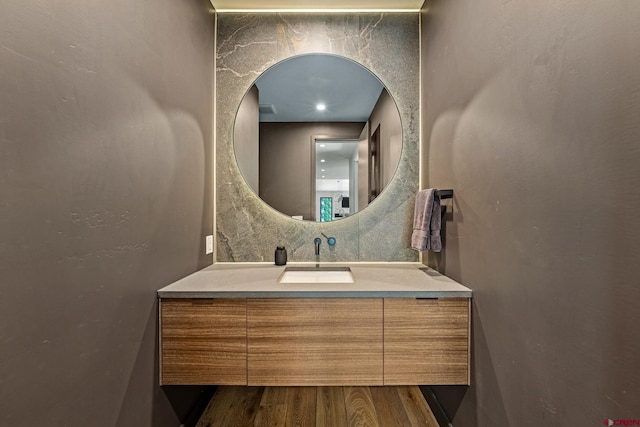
<point x="317" y="406"/>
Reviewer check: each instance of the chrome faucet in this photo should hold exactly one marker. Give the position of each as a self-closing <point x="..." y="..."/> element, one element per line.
<point x="331" y="241"/>
<point x="317" y="242"/>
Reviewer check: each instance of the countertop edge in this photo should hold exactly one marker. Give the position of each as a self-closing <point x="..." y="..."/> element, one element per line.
<point x="313" y="294"/>
<point x="372" y="281"/>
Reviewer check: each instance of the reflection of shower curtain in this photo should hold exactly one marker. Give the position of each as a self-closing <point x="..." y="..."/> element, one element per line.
<point x="326" y="209"/>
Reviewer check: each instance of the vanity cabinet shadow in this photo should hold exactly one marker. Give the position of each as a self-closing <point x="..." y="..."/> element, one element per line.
<point x="426" y="341"/>
<point x="203" y="341"/>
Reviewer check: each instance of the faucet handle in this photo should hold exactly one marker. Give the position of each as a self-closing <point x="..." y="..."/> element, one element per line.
<point x="330" y="240"/>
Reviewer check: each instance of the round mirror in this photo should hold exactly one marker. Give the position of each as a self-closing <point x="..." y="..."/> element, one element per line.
<point x="317" y="137"/>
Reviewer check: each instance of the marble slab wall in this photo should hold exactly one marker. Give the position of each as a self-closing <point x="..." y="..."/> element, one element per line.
<point x="248" y="230"/>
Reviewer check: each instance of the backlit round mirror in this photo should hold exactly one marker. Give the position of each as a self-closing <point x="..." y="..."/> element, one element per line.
<point x="317" y="137"/>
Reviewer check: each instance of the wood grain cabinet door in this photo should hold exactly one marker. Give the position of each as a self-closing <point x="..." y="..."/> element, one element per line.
<point x="426" y="341"/>
<point x="203" y="341"/>
<point x="315" y="341"/>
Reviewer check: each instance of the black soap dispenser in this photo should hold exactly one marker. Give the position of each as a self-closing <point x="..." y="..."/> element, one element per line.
<point x="281" y="255"/>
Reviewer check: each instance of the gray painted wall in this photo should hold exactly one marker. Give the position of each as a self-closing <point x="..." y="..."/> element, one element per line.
<point x="286" y="160"/>
<point x="247" y="44"/>
<point x="105" y="196"/>
<point x="531" y="114"/>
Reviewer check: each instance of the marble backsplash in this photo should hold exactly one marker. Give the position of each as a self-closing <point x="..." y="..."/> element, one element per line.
<point x="247" y="229"/>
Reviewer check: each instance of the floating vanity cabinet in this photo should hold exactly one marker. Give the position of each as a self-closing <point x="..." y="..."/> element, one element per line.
<point x="315" y="341"/>
<point x="203" y="341"/>
<point x="238" y="325"/>
<point x="426" y="341"/>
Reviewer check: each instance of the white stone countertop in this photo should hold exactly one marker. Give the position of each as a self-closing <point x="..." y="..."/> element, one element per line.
<point x="260" y="280"/>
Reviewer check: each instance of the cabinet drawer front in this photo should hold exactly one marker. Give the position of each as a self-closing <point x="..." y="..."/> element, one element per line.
<point x="203" y="341"/>
<point x="426" y="341"/>
<point x="315" y="341"/>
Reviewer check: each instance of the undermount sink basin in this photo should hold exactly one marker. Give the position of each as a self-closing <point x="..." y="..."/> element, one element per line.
<point x="316" y="275"/>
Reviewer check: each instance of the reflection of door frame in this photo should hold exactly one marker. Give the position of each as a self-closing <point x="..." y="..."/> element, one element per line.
<point x="362" y="191"/>
<point x="314" y="140"/>
<point x="375" y="164"/>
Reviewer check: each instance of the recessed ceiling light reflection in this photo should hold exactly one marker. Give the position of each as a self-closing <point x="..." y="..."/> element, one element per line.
<point x="321" y="160"/>
<point x="321" y="107"/>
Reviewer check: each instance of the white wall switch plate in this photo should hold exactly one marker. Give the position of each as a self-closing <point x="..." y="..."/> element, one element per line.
<point x="209" y="245"/>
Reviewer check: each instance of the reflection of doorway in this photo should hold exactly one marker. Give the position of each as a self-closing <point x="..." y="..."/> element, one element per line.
<point x="374" y="164"/>
<point x="334" y="175"/>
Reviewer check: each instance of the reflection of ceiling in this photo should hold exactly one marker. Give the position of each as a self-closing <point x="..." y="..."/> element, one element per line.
<point x="337" y="156"/>
<point x="295" y="86"/>
<point x="221" y="5"/>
